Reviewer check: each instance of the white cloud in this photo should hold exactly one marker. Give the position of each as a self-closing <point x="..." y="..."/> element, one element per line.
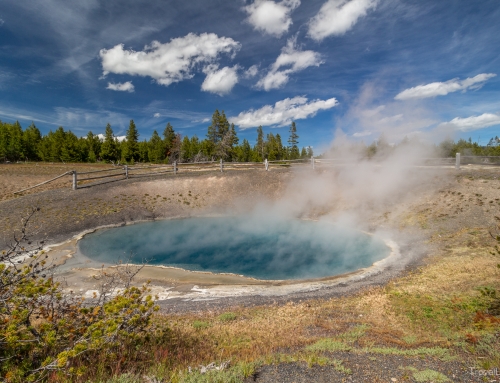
<point x="156" y="115"/>
<point x="119" y="138"/>
<point x="122" y="87"/>
<point x="336" y="17"/>
<point x="282" y="113"/>
<point x="220" y="81"/>
<point x="443" y="88"/>
<point x="1" y="22"/>
<point x="293" y="60"/>
<point x="252" y="71"/>
<point x="364" y="133"/>
<point x="473" y="123"/>
<point x="271" y="17"/>
<point x="170" y="62"/>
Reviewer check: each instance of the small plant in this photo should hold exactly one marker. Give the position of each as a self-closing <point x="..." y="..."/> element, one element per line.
<point x="430" y="376"/>
<point x="227" y="317"/>
<point x="198" y="325"/>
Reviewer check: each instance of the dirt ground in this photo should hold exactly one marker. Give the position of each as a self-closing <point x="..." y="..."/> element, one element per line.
<point x="443" y="229"/>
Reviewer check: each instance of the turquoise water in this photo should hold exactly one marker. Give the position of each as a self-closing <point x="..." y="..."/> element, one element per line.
<point x="267" y="249"/>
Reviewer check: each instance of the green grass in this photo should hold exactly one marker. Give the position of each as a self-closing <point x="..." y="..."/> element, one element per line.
<point x="430" y="376"/>
<point x="198" y="324"/>
<point x="236" y="374"/>
<point x="437" y="352"/>
<point x="328" y="345"/>
<point x="353" y="335"/>
<point x="227" y="317"/>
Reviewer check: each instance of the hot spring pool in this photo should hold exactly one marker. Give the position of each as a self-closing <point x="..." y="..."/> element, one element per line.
<point x="268" y="250"/>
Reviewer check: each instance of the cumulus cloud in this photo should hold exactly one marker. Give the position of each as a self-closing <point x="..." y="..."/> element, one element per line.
<point x="443" y="88"/>
<point x="290" y="60"/>
<point x="121" y="87"/>
<point x="271" y="17"/>
<point x="336" y="17"/>
<point x="156" y="115"/>
<point x="282" y="113"/>
<point x="469" y="124"/>
<point x="169" y="62"/>
<point x="220" y="81"/>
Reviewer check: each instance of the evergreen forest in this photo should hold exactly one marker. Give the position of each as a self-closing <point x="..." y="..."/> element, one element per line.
<point x="221" y="142"/>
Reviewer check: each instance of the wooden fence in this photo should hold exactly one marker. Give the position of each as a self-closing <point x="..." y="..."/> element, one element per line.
<point x="126" y="172"/>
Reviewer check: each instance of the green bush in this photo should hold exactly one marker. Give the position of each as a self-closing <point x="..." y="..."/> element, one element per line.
<point x="43" y="330"/>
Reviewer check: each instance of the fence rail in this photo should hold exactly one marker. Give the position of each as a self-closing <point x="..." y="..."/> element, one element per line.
<point x="126" y="172"/>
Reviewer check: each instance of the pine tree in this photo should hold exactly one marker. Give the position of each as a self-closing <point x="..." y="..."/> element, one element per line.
<point x="70" y="148"/>
<point x="156" y="149"/>
<point x="221" y="135"/>
<point x="143" y="151"/>
<point x="16" y="147"/>
<point x="130" y="151"/>
<point x="186" y="152"/>
<point x="56" y="142"/>
<point x="31" y="139"/>
<point x="246" y="151"/>
<point x="109" y="150"/>
<point x="219" y="127"/>
<point x="4" y="141"/>
<point x="293" y="143"/>
<point x="271" y="147"/>
<point x="195" y="148"/>
<point x="259" y="147"/>
<point x="168" y="139"/>
<point x="279" y="144"/>
<point x="176" y="148"/>
<point x="213" y="128"/>
<point x="90" y="147"/>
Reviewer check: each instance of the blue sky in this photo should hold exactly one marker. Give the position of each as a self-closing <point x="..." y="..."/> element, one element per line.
<point x="360" y="67"/>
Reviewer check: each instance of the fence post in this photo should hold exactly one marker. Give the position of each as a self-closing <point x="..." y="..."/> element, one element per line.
<point x="312" y="162"/>
<point x="221" y="165"/>
<point x="457" y="161"/>
<point x="266" y="164"/>
<point x="175" y="167"/>
<point x="126" y="171"/>
<point x="75" y="180"/>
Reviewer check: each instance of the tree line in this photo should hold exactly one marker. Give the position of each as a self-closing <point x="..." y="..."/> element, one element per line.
<point x="221" y="142"/>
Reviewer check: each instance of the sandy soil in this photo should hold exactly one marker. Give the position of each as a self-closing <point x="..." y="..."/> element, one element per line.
<point x="16" y="177"/>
